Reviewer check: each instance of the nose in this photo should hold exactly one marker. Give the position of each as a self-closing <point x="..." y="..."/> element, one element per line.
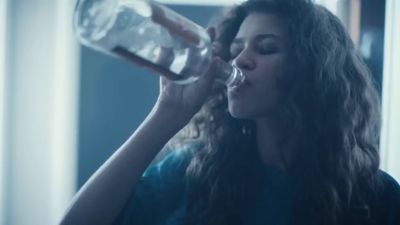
<point x="244" y="60"/>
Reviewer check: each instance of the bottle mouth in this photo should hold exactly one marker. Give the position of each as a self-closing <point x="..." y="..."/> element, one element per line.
<point x="236" y="78"/>
<point x="229" y="74"/>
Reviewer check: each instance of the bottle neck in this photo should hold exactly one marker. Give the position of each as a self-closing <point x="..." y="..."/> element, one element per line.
<point x="230" y="75"/>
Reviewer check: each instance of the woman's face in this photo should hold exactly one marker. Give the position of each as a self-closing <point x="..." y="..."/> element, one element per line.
<point x="260" y="50"/>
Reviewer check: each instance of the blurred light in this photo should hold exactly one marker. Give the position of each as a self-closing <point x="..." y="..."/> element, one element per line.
<point x="366" y="46"/>
<point x="42" y="111"/>
<point x="390" y="140"/>
<point x="202" y="2"/>
<point x="64" y="110"/>
<point x="3" y="23"/>
<point x="332" y="5"/>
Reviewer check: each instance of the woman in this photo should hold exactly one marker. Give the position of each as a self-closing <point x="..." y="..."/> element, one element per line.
<point x="297" y="143"/>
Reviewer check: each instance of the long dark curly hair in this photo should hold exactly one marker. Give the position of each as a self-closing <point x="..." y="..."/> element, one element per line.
<point x="330" y="113"/>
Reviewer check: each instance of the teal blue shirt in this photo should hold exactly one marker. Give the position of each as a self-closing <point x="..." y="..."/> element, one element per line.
<point x="160" y="198"/>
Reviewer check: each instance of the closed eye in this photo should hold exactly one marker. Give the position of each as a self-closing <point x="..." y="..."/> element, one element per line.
<point x="268" y="51"/>
<point x="267" y="47"/>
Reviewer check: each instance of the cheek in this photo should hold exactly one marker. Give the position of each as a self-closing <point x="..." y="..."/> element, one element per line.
<point x="269" y="96"/>
<point x="266" y="82"/>
<point x="267" y="89"/>
<point x="272" y="67"/>
<point x="270" y="73"/>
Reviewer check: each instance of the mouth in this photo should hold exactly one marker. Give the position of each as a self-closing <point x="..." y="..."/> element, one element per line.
<point x="245" y="82"/>
<point x="237" y="91"/>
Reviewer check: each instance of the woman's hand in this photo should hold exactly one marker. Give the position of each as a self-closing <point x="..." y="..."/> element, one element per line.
<point x="183" y="101"/>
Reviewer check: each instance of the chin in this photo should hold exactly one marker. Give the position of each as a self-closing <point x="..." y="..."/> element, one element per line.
<point x="248" y="112"/>
<point x="240" y="112"/>
<point x="238" y="116"/>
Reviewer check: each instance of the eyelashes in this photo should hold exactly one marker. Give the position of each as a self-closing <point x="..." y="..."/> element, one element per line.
<point x="261" y="50"/>
<point x="268" y="50"/>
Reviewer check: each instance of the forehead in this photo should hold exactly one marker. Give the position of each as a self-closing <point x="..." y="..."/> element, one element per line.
<point x="261" y="23"/>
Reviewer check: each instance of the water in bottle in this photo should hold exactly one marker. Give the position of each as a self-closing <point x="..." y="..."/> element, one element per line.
<point x="151" y="35"/>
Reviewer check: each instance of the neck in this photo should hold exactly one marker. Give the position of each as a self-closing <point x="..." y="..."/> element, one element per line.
<point x="269" y="136"/>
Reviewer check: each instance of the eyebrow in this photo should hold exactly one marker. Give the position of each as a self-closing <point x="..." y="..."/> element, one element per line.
<point x="257" y="38"/>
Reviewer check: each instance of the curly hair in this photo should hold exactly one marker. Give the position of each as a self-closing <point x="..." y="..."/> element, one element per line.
<point x="331" y="116"/>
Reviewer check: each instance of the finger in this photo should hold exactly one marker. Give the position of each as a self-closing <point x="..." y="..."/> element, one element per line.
<point x="216" y="46"/>
<point x="212" y="32"/>
<point x="165" y="83"/>
<point x="216" y="49"/>
<point x="211" y="73"/>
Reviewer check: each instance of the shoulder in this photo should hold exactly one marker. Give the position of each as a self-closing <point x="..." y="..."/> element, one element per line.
<point x="388" y="186"/>
<point x="388" y="203"/>
<point x="160" y="190"/>
<point x="173" y="161"/>
<point x="170" y="167"/>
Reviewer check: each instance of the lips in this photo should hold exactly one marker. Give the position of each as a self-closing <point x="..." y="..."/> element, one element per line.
<point x="246" y="82"/>
<point x="238" y="90"/>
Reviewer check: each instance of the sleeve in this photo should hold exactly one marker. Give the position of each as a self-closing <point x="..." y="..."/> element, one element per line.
<point x="159" y="192"/>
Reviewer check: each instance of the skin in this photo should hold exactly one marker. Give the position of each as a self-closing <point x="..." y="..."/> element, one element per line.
<point x="260" y="50"/>
<point x="104" y="195"/>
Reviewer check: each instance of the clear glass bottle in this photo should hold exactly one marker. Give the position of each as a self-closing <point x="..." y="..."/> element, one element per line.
<point x="149" y="34"/>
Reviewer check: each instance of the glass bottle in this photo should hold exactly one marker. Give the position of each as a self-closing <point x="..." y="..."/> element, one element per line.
<point x="149" y="34"/>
